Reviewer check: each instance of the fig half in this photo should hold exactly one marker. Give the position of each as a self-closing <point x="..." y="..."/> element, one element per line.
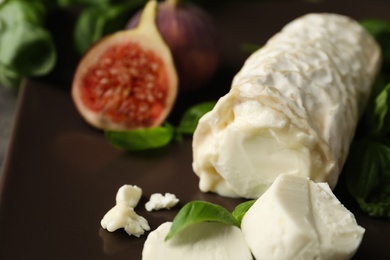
<point x="128" y="79"/>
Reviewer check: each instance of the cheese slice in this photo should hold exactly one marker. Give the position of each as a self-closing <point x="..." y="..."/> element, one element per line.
<point x="205" y="240"/>
<point x="297" y="219"/>
<point x="292" y="108"/>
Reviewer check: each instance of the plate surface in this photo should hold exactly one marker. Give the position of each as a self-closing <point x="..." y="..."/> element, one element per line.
<point x="61" y="176"/>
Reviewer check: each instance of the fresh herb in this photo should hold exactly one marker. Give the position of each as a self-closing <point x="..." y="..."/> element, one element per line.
<point x="100" y="20"/>
<point x="141" y="139"/>
<point x="249" y="48"/>
<point x="191" y="117"/>
<point x="380" y="30"/>
<point x="157" y="137"/>
<point x="368" y="176"/>
<point x="239" y="212"/>
<point x="199" y="211"/>
<point x="367" y="168"/>
<point x="26" y="47"/>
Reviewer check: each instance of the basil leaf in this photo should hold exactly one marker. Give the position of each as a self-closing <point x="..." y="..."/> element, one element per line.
<point x="368" y="176"/>
<point x="239" y="212"/>
<point x="12" y="12"/>
<point x="249" y="48"/>
<point x="67" y="3"/>
<point x="191" y="117"/>
<point x="381" y="110"/>
<point x="199" y="211"/>
<point x="9" y="78"/>
<point x="141" y="139"/>
<point x="380" y="30"/>
<point x="100" y="20"/>
<point x="27" y="49"/>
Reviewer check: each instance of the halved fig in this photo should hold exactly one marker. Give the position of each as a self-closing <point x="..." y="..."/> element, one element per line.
<point x="128" y="79"/>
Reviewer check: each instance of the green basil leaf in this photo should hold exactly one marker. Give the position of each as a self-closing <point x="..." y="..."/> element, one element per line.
<point x="249" y="48"/>
<point x="191" y="117"/>
<point x="141" y="139"/>
<point x="380" y="30"/>
<point x="381" y="110"/>
<point x="239" y="212"/>
<point x="66" y="3"/>
<point x="27" y="49"/>
<point x="12" y="12"/>
<point x="199" y="211"/>
<point x="101" y="20"/>
<point x="9" y="78"/>
<point x="368" y="176"/>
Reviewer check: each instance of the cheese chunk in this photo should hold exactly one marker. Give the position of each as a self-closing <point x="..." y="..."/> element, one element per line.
<point x="205" y="240"/>
<point x="129" y="194"/>
<point x="297" y="219"/>
<point x="124" y="216"/>
<point x="158" y="201"/>
<point x="293" y="108"/>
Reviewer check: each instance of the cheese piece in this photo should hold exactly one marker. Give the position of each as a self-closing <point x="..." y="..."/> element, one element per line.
<point x="205" y="240"/>
<point x="297" y="219"/>
<point x="293" y="108"/>
<point x="158" y="201"/>
<point x="124" y="216"/>
<point x="129" y="194"/>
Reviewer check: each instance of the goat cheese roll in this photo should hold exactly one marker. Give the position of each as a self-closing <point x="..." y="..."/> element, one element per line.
<point x="292" y="108"/>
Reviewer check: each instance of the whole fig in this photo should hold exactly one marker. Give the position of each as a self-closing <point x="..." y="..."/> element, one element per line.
<point x="192" y="37"/>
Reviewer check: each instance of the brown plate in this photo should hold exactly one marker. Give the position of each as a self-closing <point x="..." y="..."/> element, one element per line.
<point x="61" y="176"/>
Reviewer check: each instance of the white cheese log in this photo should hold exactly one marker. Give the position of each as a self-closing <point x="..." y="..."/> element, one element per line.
<point x="293" y="108"/>
<point x="297" y="219"/>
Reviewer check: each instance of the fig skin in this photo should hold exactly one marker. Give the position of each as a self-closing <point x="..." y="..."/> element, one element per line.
<point x="193" y="39"/>
<point x="109" y="97"/>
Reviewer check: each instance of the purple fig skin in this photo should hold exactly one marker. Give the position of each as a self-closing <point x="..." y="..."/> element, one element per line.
<point x="193" y="40"/>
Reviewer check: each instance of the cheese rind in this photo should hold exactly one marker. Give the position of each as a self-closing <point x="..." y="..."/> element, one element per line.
<point x="292" y="108"/>
<point x="205" y="240"/>
<point x="299" y="219"/>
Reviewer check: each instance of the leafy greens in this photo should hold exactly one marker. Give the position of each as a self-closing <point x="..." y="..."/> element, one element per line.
<point x="367" y="168"/>
<point x="201" y="211"/>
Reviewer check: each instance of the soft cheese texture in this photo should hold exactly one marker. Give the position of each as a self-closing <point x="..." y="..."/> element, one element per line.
<point x="158" y="201"/>
<point x="293" y="108"/>
<point x="205" y="240"/>
<point x="298" y="219"/>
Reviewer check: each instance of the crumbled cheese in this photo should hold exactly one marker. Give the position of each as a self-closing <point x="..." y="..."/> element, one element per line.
<point x="124" y="216"/>
<point x="299" y="219"/>
<point x="205" y="241"/>
<point x="158" y="201"/>
<point x="130" y="194"/>
<point x="293" y="108"/>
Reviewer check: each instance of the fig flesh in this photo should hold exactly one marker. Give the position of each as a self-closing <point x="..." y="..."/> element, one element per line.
<point x="127" y="80"/>
<point x="192" y="37"/>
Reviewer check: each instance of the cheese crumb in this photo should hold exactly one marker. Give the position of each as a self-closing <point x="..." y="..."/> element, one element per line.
<point x="158" y="201"/>
<point x="122" y="215"/>
<point x="129" y="194"/>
